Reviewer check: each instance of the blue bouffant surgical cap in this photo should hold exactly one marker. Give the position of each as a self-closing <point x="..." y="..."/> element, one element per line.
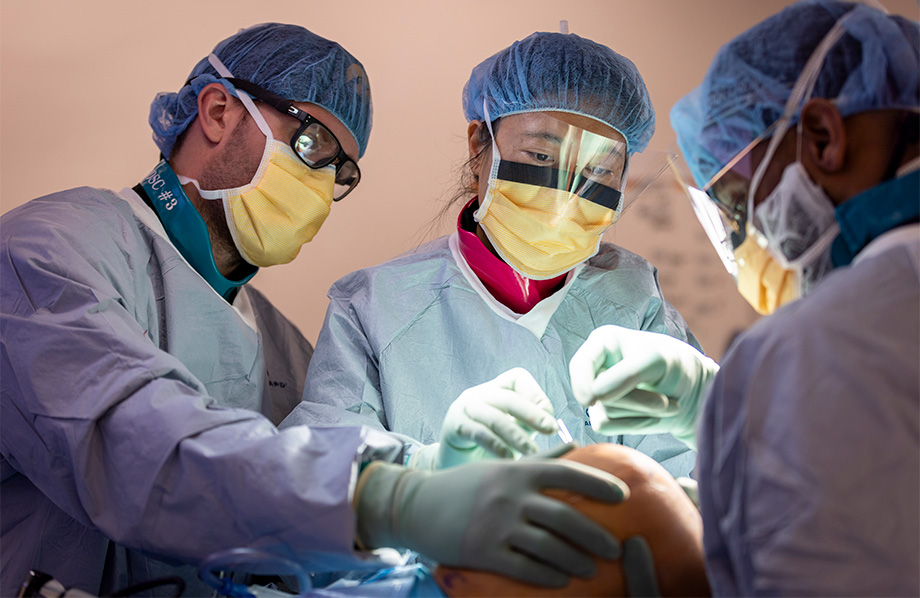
<point x="875" y="65"/>
<point x="565" y="72"/>
<point x="285" y="59"/>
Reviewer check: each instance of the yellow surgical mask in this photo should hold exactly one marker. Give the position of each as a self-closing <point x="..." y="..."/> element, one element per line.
<point x="761" y="280"/>
<point x="281" y="210"/>
<point x="542" y="232"/>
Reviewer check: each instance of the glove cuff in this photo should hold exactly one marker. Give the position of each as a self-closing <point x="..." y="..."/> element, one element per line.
<point x="685" y="430"/>
<point x="381" y="497"/>
<point x="425" y="458"/>
<point x="373" y="504"/>
<point x="450" y="456"/>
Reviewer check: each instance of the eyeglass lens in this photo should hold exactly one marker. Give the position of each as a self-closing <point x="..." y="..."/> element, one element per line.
<point x="318" y="147"/>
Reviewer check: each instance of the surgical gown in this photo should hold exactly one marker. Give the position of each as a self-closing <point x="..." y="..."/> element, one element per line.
<point x="809" y="457"/>
<point x="403" y="339"/>
<point x="138" y="410"/>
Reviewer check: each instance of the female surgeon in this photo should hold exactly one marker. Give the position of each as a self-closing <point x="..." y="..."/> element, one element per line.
<point x="462" y="346"/>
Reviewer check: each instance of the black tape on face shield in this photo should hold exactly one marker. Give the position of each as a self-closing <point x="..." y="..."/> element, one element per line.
<point x="553" y="178"/>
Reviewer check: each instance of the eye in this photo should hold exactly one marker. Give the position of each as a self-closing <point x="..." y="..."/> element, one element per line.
<point x="601" y="175"/>
<point x="540" y="159"/>
<point x="596" y="172"/>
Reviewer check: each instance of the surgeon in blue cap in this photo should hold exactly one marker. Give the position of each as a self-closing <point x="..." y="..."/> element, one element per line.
<point x="462" y="346"/>
<point x="142" y="379"/>
<point x="803" y="141"/>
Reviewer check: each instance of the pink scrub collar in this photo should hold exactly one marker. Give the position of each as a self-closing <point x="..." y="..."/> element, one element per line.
<point x="516" y="292"/>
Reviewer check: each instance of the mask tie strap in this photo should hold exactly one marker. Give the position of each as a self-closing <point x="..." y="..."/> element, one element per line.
<point x="224" y="72"/>
<point x="801" y="91"/>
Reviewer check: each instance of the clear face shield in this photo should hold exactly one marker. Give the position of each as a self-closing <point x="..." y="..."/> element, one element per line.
<point x="722" y="205"/>
<point x="558" y="169"/>
<point x="554" y="188"/>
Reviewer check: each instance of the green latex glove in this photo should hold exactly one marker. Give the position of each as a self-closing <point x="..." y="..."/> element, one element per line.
<point x="639" y="568"/>
<point x="497" y="419"/>
<point x="490" y="515"/>
<point x="639" y="382"/>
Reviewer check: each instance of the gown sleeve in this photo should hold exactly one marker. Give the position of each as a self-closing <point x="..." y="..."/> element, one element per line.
<point x="124" y="438"/>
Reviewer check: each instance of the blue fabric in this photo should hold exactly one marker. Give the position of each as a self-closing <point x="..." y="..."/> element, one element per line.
<point x="409" y="581"/>
<point x="555" y="71"/>
<point x="866" y="216"/>
<point x="875" y="66"/>
<point x="402" y="340"/>
<point x="131" y="419"/>
<point x="809" y="458"/>
<point x="285" y="59"/>
<point x="187" y="229"/>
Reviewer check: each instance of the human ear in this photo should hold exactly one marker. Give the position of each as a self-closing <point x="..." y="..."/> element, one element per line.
<point x="479" y="150"/>
<point x="473" y="135"/>
<point x="824" y="136"/>
<point x="213" y="110"/>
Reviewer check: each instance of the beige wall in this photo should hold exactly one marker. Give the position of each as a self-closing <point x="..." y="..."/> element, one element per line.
<point x="76" y="80"/>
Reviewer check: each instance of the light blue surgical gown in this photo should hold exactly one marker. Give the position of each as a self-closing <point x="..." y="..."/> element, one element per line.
<point x="138" y="409"/>
<point x="809" y="454"/>
<point x="403" y="339"/>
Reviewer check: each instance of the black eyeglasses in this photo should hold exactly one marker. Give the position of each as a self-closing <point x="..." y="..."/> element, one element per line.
<point x="313" y="142"/>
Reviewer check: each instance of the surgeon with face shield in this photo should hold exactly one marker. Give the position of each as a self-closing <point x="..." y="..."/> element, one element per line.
<point x="462" y="346"/>
<point x="803" y="139"/>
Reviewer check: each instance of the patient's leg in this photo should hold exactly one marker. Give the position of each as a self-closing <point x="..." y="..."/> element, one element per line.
<point x="657" y="509"/>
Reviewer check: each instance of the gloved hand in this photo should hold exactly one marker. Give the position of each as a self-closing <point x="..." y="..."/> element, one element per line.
<point x="490" y="515"/>
<point x="496" y="419"/>
<point x="639" y="382"/>
<point x="639" y="568"/>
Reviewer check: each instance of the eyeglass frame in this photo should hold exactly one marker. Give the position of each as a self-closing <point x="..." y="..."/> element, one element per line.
<point x="737" y="212"/>
<point x="306" y="119"/>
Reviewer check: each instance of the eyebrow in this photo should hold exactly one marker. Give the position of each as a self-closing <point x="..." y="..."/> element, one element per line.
<point x="613" y="152"/>
<point x="545" y="135"/>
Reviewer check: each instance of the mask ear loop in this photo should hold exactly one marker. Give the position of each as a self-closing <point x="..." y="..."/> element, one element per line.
<point x="493" y="171"/>
<point x="801" y="92"/>
<point x="215" y="194"/>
